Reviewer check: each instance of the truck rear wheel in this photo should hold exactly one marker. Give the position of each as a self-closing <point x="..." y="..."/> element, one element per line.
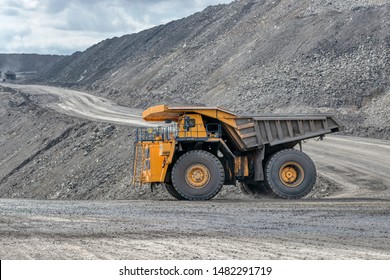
<point x="198" y="175"/>
<point x="290" y="174"/>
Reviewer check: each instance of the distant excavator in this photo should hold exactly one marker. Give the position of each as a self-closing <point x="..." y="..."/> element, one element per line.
<point x="205" y="148"/>
<point x="9" y="75"/>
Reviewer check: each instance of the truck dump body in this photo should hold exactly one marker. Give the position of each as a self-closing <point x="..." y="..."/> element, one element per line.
<point x="254" y="131"/>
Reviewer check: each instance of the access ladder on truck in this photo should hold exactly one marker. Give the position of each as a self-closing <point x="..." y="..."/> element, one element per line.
<point x="138" y="164"/>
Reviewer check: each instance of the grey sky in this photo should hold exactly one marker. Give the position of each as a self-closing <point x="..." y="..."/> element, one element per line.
<point x="66" y="26"/>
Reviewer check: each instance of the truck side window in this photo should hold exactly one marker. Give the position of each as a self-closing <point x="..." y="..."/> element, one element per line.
<point x="188" y="123"/>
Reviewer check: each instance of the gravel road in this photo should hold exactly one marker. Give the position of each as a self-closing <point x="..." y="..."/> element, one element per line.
<point x="359" y="167"/>
<point x="83" y="105"/>
<point x="217" y="229"/>
<point x="353" y="223"/>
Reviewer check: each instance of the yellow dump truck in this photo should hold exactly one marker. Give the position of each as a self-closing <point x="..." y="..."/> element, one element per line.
<point x="197" y="150"/>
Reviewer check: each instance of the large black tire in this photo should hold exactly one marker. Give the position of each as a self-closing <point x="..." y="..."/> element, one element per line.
<point x="255" y="189"/>
<point x="290" y="174"/>
<point x="198" y="175"/>
<point x="171" y="190"/>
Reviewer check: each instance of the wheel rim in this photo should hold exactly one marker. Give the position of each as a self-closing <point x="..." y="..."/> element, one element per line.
<point x="197" y="176"/>
<point x="291" y="174"/>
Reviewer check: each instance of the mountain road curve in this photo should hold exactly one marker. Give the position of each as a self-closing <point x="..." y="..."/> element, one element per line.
<point x="351" y="223"/>
<point x="83" y="105"/>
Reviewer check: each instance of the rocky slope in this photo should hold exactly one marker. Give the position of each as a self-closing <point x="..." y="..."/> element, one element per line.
<point x="252" y="56"/>
<point x="49" y="155"/>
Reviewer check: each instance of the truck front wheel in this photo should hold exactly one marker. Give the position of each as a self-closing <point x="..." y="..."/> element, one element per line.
<point x="198" y="175"/>
<point x="171" y="190"/>
<point x="290" y="174"/>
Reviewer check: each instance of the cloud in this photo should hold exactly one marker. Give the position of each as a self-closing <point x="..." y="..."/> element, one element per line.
<point x="63" y="27"/>
<point x="54" y="7"/>
<point x="23" y="4"/>
<point x="9" y="12"/>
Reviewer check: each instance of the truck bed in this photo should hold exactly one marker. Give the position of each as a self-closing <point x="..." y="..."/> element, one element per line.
<point x="254" y="131"/>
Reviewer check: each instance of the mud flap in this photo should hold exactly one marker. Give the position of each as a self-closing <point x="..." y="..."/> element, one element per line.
<point x="258" y="162"/>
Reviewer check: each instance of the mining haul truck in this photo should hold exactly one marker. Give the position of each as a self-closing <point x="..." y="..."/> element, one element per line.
<point x="197" y="150"/>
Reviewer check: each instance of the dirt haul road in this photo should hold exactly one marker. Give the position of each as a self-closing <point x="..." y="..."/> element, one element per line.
<point x="354" y="222"/>
<point x="82" y="105"/>
<point x="216" y="229"/>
